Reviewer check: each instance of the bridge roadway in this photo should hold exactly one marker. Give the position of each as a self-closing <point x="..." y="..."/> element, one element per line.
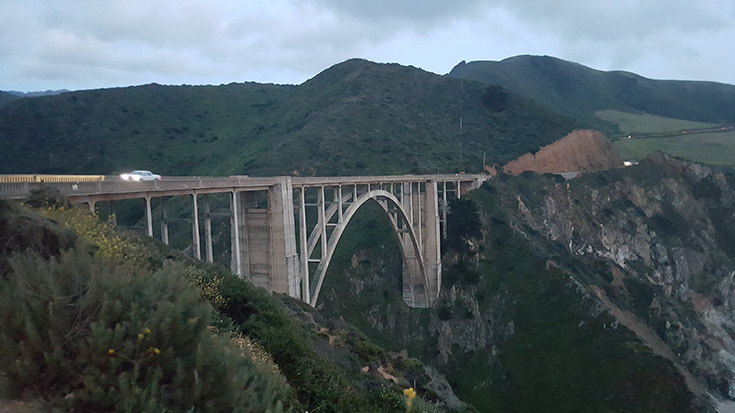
<point x="264" y="212"/>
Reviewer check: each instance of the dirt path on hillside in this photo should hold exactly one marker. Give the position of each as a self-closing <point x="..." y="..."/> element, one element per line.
<point x="652" y="340"/>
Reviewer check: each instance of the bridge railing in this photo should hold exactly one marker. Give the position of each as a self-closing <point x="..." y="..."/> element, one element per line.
<point x="50" y="178"/>
<point x="17" y="190"/>
<point x="109" y="185"/>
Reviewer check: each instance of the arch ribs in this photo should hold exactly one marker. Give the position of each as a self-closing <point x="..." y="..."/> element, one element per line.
<point x="413" y="211"/>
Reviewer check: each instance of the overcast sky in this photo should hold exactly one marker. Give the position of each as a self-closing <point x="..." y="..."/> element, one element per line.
<point x="89" y="44"/>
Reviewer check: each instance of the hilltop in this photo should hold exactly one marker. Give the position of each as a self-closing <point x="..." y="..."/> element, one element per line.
<point x="6" y="98"/>
<point x="579" y="91"/>
<point x="356" y="117"/>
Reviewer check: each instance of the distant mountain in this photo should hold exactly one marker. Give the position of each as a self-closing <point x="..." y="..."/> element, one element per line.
<point x="11" y="95"/>
<point x="578" y="91"/>
<point x="357" y="117"/>
<point x="37" y="94"/>
<point x="6" y="98"/>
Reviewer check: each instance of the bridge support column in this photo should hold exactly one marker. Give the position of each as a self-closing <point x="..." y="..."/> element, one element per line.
<point x="284" y="271"/>
<point x="421" y="203"/>
<point x="414" y="291"/>
<point x="236" y="262"/>
<point x="164" y="221"/>
<point x="148" y="216"/>
<point x="304" y="255"/>
<point x="431" y="240"/>
<point x="208" y="229"/>
<point x="196" y="243"/>
<point x="266" y="239"/>
<point x="444" y="210"/>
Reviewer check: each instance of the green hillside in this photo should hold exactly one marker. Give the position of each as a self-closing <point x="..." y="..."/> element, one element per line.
<point x="644" y="123"/>
<point x="6" y="98"/>
<point x="171" y="129"/>
<point x="708" y="148"/>
<point x="579" y="91"/>
<point x="357" y="117"/>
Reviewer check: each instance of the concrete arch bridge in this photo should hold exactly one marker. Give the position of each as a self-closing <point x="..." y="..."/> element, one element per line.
<point x="284" y="230"/>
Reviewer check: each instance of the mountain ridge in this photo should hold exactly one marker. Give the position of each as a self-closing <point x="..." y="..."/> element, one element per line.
<point x="357" y="117"/>
<point x="577" y="90"/>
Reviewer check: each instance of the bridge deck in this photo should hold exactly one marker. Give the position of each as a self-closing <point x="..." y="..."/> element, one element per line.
<point x="115" y="189"/>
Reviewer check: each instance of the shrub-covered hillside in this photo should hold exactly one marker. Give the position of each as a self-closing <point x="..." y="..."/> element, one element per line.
<point x="96" y="320"/>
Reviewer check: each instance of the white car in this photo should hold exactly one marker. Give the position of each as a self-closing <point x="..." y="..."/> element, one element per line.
<point x="140" y="176"/>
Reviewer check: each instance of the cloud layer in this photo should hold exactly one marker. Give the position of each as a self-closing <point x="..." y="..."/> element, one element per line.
<point x="83" y="44"/>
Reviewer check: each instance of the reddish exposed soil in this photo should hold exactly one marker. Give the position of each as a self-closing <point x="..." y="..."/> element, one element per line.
<point x="581" y="150"/>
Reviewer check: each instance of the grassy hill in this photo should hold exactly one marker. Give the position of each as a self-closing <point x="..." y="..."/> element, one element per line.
<point x="579" y="91"/>
<point x="357" y="117"/>
<point x="647" y="124"/>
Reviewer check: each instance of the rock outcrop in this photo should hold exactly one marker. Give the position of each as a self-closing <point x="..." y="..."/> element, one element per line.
<point x="581" y="150"/>
<point x="666" y="242"/>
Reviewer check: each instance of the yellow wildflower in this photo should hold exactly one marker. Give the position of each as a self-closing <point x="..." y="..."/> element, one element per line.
<point x="111" y="351"/>
<point x="146" y="331"/>
<point x="154" y="350"/>
<point x="410" y="395"/>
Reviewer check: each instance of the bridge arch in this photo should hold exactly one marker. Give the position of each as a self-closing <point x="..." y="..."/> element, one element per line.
<point x="409" y="242"/>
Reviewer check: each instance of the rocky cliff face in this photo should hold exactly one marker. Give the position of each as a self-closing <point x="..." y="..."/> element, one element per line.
<point x="581" y="150"/>
<point x="663" y="237"/>
<point x="612" y="289"/>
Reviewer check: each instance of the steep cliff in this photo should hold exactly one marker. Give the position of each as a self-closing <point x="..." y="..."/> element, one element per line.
<point x="614" y="290"/>
<point x="665" y="244"/>
<point x="581" y="150"/>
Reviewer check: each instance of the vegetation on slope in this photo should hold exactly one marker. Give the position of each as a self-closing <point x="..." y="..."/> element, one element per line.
<point x="6" y="98"/>
<point x="357" y="117"/>
<point x="515" y="328"/>
<point x="173" y="130"/>
<point x="94" y="319"/>
<point x="707" y="148"/>
<point x="578" y="91"/>
<point x="638" y="124"/>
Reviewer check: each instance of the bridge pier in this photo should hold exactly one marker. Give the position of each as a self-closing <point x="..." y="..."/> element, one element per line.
<point x="266" y="239"/>
<point x="164" y="221"/>
<point x="148" y="216"/>
<point x="208" y="229"/>
<point x="196" y="243"/>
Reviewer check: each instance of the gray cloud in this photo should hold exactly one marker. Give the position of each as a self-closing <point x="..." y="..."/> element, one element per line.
<point x="103" y="43"/>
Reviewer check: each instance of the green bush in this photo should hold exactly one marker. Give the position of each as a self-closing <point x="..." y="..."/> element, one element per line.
<point x="94" y="335"/>
<point x="45" y="197"/>
<point x="464" y="226"/>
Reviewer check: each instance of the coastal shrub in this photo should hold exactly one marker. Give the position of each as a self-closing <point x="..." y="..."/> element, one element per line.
<point x="22" y="230"/>
<point x="94" y="335"/>
<point x="46" y="196"/>
<point x="90" y="229"/>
